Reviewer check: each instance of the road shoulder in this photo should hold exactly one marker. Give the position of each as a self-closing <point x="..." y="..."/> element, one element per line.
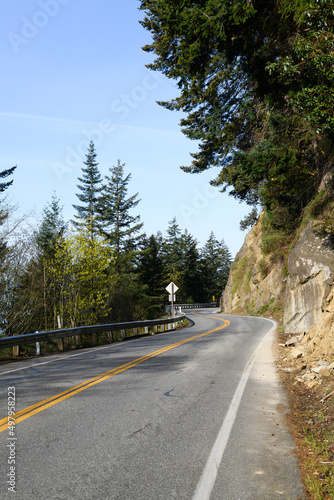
<point x="260" y="460"/>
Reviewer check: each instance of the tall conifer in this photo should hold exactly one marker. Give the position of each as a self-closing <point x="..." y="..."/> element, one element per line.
<point x="216" y="263"/>
<point x="115" y="220"/>
<point x="90" y="188"/>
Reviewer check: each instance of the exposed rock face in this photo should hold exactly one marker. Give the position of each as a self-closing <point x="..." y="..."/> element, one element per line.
<point x="310" y="268"/>
<point x="318" y="343"/>
<point x="301" y="292"/>
<point x="255" y="285"/>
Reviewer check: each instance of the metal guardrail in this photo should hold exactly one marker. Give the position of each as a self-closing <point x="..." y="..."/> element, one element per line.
<point x="18" y="340"/>
<point x="179" y="307"/>
<point x="197" y="306"/>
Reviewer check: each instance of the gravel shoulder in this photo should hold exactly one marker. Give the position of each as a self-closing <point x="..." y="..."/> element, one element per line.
<point x="310" y="392"/>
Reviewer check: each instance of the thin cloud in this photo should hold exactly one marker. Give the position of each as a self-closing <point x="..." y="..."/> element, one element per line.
<point x="51" y="123"/>
<point x="77" y="126"/>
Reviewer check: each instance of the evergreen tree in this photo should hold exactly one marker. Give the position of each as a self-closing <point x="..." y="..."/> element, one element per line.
<point x="4" y="174"/>
<point x="171" y="251"/>
<point x="3" y="209"/>
<point x="150" y="267"/>
<point x="216" y="263"/>
<point x="191" y="289"/>
<point x="52" y="228"/>
<point x="90" y="189"/>
<point x="182" y="263"/>
<point x="151" y="274"/>
<point x="116" y="222"/>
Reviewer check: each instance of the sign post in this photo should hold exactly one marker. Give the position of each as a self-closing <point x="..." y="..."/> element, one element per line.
<point x="172" y="289"/>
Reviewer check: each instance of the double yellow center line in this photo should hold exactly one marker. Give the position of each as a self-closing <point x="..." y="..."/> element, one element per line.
<point x="47" y="403"/>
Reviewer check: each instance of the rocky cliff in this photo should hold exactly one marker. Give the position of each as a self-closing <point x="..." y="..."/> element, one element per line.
<point x="310" y="267"/>
<point x="297" y="289"/>
<point x="256" y="286"/>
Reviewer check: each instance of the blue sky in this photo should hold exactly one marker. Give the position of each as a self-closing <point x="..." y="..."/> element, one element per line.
<point x="73" y="71"/>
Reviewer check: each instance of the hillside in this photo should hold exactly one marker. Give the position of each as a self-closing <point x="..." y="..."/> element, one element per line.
<point x="293" y="283"/>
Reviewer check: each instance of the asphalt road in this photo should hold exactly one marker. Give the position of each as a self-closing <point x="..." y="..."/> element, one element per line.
<point x="192" y="414"/>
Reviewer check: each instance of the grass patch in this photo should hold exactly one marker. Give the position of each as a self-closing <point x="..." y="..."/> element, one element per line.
<point x="242" y="274"/>
<point x="319" y="458"/>
<point x="266" y="307"/>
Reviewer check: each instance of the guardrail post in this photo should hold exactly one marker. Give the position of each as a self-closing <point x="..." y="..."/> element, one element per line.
<point x="94" y="338"/>
<point x="110" y="336"/>
<point x="78" y="340"/>
<point x="146" y="329"/>
<point x="16" y="350"/>
<point x="135" y="331"/>
<point x="123" y="333"/>
<point x="60" y="344"/>
<point x="38" y="348"/>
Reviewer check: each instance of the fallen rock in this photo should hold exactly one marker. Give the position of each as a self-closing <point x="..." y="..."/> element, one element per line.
<point x="294" y="340"/>
<point x="324" y="372"/>
<point x="308" y="377"/>
<point x="319" y="366"/>
<point x="312" y="384"/>
<point x="296" y="353"/>
<point x="289" y="369"/>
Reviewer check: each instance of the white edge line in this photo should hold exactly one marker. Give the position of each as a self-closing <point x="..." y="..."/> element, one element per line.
<point x="210" y="471"/>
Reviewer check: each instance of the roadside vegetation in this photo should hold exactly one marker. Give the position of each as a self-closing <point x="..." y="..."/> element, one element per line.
<point x="100" y="267"/>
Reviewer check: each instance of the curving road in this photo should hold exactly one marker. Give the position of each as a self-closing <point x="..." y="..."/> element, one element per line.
<point x="192" y="414"/>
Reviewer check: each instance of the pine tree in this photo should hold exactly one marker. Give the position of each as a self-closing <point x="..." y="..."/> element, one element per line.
<point x="3" y="174"/>
<point x="191" y="289"/>
<point x="3" y="209"/>
<point x="151" y="274"/>
<point x="52" y="227"/>
<point x="216" y="263"/>
<point x="90" y="188"/>
<point x="171" y="250"/>
<point x="115" y="219"/>
<point x="182" y="263"/>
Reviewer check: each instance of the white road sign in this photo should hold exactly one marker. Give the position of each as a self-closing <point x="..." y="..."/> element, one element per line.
<point x="171" y="288"/>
